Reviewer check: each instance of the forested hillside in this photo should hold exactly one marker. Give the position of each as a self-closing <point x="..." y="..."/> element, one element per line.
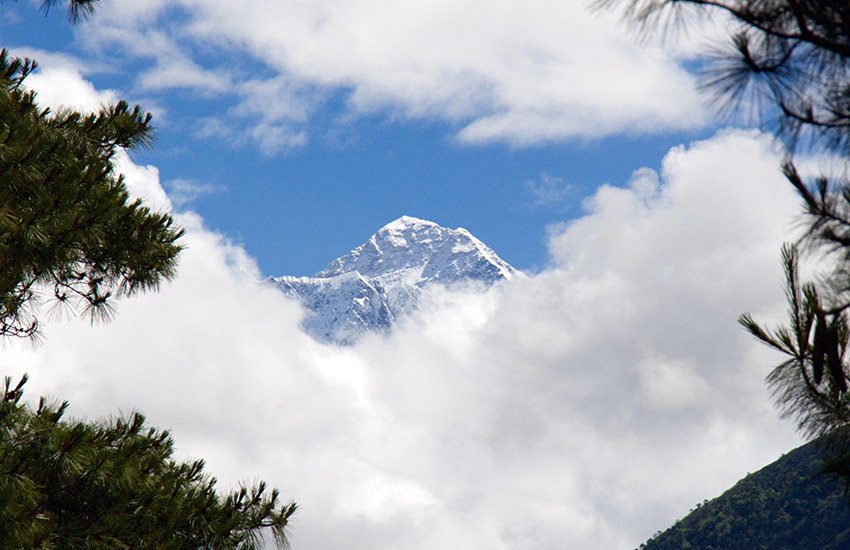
<point x="784" y="506"/>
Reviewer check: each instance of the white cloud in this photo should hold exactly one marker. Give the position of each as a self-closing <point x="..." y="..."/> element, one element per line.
<point x="270" y="138"/>
<point x="581" y="409"/>
<point x="180" y="72"/>
<point x="59" y="83"/>
<point x="671" y="384"/>
<point x="143" y="183"/>
<point x="498" y="71"/>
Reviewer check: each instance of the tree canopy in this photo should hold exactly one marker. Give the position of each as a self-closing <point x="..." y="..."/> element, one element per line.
<point x="114" y="484"/>
<point x="68" y="228"/>
<point x="785" y="505"/>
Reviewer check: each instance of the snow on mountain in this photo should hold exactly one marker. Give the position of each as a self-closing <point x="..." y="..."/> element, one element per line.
<point x="380" y="281"/>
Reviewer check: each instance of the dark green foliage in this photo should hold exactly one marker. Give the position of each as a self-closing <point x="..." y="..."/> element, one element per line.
<point x="113" y="484"/>
<point x="787" y="505"/>
<point x="69" y="230"/>
<point x="811" y="385"/>
<point x="67" y="226"/>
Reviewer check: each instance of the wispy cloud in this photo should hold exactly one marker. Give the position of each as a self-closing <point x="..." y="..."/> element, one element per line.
<point x="185" y="191"/>
<point x="269" y="138"/>
<point x="180" y="72"/>
<point x="549" y="190"/>
<point x="543" y="71"/>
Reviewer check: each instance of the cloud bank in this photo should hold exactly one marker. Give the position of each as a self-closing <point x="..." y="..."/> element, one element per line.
<point x="494" y="71"/>
<point x="581" y="409"/>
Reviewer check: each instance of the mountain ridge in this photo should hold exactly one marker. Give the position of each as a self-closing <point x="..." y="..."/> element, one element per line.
<point x="380" y="281"/>
<point x="787" y="505"/>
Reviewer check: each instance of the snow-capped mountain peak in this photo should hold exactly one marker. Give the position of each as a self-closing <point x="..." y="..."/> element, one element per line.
<point x="419" y="251"/>
<point x="381" y="280"/>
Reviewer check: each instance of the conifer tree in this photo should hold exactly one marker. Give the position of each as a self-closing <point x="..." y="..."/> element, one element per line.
<point x="788" y="59"/>
<point x="114" y="484"/>
<point x="68" y="228"/>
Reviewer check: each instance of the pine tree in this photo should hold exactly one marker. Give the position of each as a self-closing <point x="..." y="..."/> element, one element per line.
<point x="114" y="484"/>
<point x="68" y="229"/>
<point x="811" y="385"/>
<point x="790" y="61"/>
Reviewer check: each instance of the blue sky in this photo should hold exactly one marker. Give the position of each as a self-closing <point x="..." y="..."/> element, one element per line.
<point x="290" y="131"/>
<point x="297" y="203"/>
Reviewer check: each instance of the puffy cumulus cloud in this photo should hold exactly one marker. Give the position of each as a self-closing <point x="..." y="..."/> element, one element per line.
<point x="707" y="202"/>
<point x="497" y="71"/>
<point x="583" y="408"/>
<point x="143" y="183"/>
<point x="60" y="83"/>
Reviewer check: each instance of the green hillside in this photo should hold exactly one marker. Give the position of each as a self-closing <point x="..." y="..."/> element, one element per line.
<point x="784" y="506"/>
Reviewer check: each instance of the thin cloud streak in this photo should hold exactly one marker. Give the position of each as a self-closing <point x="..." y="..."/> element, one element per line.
<point x="183" y="191"/>
<point x="549" y="190"/>
<point x="581" y="409"/>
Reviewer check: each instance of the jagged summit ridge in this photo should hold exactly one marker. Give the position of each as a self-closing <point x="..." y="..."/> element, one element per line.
<point x="419" y="251"/>
<point x="380" y="281"/>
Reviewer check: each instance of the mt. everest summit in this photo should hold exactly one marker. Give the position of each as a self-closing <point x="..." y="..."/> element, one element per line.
<point x="382" y="280"/>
